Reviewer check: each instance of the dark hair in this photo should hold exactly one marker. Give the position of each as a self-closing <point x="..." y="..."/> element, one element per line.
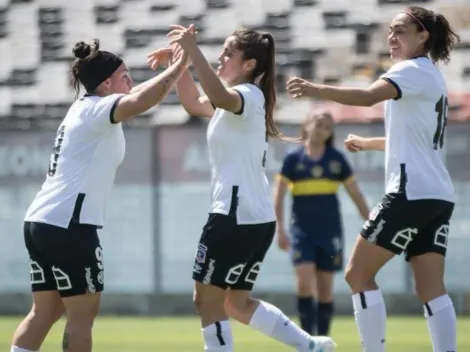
<point x="261" y="47"/>
<point x="316" y="116"/>
<point x="83" y="53"/>
<point x="442" y="37"/>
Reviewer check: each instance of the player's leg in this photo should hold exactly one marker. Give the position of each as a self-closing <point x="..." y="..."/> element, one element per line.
<point x="325" y="299"/>
<point x="386" y="234"/>
<point x="369" y="306"/>
<point x="46" y="310"/>
<point x="261" y="315"/>
<point x="218" y="263"/>
<point x="306" y="296"/>
<point x="47" y="306"/>
<point x="77" y="266"/>
<point x="426" y="255"/>
<point x="303" y="258"/>
<point x="329" y="261"/>
<point x="216" y="329"/>
<point x="81" y="310"/>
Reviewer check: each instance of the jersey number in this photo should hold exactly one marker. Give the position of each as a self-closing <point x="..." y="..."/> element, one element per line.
<point x="56" y="151"/>
<point x="441" y="109"/>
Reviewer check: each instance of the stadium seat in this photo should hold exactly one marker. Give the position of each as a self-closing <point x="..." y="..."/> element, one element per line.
<point x="321" y="40"/>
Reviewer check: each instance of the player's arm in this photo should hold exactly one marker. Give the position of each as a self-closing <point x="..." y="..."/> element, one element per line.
<point x="355" y="143"/>
<point x="280" y="188"/>
<point x="193" y="102"/>
<point x="218" y="95"/>
<point x="379" y="91"/>
<point x="375" y="143"/>
<point x="357" y="197"/>
<point x="150" y="93"/>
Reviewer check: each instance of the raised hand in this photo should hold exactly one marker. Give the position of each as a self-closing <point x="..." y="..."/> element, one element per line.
<point x="166" y="57"/>
<point x="184" y="37"/>
<point x="298" y="87"/>
<point x="161" y="57"/>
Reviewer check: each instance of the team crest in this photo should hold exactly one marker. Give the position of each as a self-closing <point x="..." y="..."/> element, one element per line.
<point x="296" y="254"/>
<point x="201" y="254"/>
<point x="316" y="171"/>
<point x="299" y="167"/>
<point x="337" y="259"/>
<point x="335" y="167"/>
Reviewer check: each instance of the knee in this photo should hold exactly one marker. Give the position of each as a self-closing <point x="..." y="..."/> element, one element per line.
<point x="427" y="291"/>
<point x="305" y="286"/>
<point x="358" y="280"/>
<point x="240" y="308"/>
<point x="234" y="306"/>
<point x="204" y="302"/>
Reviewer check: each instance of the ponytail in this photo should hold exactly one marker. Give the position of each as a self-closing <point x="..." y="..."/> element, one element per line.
<point x="442" y="37"/>
<point x="267" y="84"/>
<point x="444" y="40"/>
<point x="261" y="47"/>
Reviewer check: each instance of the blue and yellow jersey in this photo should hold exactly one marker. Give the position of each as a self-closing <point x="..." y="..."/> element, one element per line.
<point x="314" y="185"/>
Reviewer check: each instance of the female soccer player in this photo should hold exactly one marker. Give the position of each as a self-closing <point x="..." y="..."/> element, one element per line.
<point x="414" y="215"/>
<point x="241" y="223"/>
<point x="313" y="173"/>
<point x="61" y="224"/>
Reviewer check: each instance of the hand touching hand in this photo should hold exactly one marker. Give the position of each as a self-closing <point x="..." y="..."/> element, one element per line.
<point x="184" y="37"/>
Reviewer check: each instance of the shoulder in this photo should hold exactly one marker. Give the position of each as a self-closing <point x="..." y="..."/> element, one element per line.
<point x="250" y="90"/>
<point x="98" y="100"/>
<point x="109" y="99"/>
<point x="407" y="67"/>
<point x="294" y="154"/>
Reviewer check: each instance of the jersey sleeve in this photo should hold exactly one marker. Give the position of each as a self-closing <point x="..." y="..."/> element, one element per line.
<point x="288" y="168"/>
<point x="407" y="78"/>
<point x="102" y="114"/>
<point x="252" y="100"/>
<point x="346" y="169"/>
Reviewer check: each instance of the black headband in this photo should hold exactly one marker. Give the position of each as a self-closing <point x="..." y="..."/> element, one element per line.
<point x="97" y="69"/>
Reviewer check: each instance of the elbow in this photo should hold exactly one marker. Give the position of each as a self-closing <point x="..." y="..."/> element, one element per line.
<point x="369" y="99"/>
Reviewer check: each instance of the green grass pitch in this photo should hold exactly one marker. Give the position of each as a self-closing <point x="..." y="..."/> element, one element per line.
<point x="119" y="334"/>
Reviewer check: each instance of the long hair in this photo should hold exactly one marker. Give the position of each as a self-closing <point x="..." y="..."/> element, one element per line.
<point x="442" y="37"/>
<point x="317" y="116"/>
<point x="261" y="47"/>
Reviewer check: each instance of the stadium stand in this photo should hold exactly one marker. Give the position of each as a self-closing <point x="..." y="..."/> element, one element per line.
<point x="323" y="40"/>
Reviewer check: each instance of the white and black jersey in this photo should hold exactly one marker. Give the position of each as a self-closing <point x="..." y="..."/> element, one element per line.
<point x="237" y="148"/>
<point x="88" y="149"/>
<point x="241" y="223"/>
<point x="415" y="124"/>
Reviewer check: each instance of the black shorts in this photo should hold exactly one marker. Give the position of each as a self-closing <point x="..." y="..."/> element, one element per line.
<point x="415" y="227"/>
<point x="67" y="260"/>
<point x="230" y="255"/>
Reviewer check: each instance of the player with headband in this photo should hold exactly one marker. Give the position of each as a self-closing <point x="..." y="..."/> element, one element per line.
<point x="413" y="217"/>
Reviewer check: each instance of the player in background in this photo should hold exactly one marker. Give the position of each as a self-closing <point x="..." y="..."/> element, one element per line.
<point x="313" y="173"/>
<point x="414" y="215"/>
<point x="241" y="223"/>
<point x="60" y="228"/>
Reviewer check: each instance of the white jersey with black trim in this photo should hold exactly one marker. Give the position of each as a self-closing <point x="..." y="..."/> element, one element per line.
<point x="88" y="149"/>
<point x="237" y="149"/>
<point x="415" y="124"/>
